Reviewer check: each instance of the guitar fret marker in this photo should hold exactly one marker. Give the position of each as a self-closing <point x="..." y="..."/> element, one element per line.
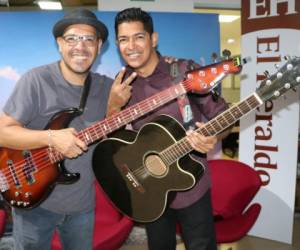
<point x="87" y="137"/>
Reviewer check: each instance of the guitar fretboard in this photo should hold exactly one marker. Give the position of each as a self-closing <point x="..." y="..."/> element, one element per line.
<point x="211" y="128"/>
<point x="120" y="119"/>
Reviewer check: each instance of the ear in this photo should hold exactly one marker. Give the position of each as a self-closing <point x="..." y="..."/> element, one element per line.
<point x="154" y="39"/>
<point x="59" y="43"/>
<point x="99" y="46"/>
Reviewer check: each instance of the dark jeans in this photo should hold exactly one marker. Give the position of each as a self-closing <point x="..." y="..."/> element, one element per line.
<point x="197" y="227"/>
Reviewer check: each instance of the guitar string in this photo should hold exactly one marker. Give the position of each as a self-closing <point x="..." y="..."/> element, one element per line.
<point x="142" y="170"/>
<point x="186" y="146"/>
<point x="205" y="130"/>
<point x="42" y="154"/>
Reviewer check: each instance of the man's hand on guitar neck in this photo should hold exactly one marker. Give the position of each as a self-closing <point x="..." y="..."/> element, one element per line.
<point x="120" y="92"/>
<point x="199" y="142"/>
<point x="66" y="142"/>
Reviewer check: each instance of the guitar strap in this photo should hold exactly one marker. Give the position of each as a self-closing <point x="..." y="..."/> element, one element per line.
<point x="85" y="93"/>
<point x="183" y="101"/>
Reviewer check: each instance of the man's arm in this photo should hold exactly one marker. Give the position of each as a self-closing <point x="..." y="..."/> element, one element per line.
<point x="15" y="136"/>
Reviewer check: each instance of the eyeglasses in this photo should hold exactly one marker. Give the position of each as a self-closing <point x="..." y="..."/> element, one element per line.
<point x="73" y="40"/>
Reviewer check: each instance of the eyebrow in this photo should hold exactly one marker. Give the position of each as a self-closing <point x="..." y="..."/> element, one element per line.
<point x="72" y="34"/>
<point x="136" y="34"/>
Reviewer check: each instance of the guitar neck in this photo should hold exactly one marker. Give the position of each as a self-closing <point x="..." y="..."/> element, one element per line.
<point x="212" y="128"/>
<point x="120" y="119"/>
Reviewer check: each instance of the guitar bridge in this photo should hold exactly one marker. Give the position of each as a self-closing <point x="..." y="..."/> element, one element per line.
<point x="131" y="178"/>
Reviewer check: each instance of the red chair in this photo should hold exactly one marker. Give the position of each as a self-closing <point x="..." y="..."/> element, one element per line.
<point x="2" y="221"/>
<point x="111" y="227"/>
<point x="234" y="185"/>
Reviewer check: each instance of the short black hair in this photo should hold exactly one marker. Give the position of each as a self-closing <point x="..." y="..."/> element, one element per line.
<point x="134" y="14"/>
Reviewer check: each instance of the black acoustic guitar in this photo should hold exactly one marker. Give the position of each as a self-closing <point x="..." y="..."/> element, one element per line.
<point x="137" y="171"/>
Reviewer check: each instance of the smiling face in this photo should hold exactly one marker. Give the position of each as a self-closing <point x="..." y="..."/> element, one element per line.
<point x="78" y="55"/>
<point x="137" y="47"/>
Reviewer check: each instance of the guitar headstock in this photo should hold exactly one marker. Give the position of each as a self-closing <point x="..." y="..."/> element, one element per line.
<point x="204" y="79"/>
<point x="286" y="78"/>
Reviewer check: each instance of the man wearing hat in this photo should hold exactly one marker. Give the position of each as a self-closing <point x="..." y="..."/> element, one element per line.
<point x="38" y="96"/>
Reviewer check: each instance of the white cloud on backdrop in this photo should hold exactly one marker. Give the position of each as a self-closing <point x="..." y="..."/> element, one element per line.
<point x="9" y="73"/>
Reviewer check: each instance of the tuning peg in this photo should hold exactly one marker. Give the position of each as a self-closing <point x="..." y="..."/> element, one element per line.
<point x="276" y="66"/>
<point x="279" y="75"/>
<point x="268" y="82"/>
<point x="267" y="74"/>
<point x="289" y="66"/>
<point x="287" y="85"/>
<point x="298" y="79"/>
<point x="287" y="57"/>
<point x="276" y="93"/>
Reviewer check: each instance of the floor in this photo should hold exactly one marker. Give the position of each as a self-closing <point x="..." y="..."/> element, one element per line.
<point x="247" y="243"/>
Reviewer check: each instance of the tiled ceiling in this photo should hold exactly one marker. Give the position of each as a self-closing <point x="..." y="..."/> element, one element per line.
<point x="32" y="3"/>
<point x="225" y="4"/>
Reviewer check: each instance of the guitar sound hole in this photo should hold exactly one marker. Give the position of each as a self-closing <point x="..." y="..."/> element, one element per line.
<point x="156" y="166"/>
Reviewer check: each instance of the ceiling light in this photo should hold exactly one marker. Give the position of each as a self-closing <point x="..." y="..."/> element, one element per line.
<point x="230" y="40"/>
<point x="50" y="5"/>
<point x="227" y="18"/>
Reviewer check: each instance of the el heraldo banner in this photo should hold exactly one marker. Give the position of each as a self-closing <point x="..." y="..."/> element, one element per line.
<point x="269" y="136"/>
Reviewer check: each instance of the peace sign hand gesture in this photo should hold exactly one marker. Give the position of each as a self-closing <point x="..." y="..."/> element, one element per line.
<point x="120" y="92"/>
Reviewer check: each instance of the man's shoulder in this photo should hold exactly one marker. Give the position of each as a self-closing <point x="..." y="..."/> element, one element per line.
<point x="98" y="77"/>
<point x="181" y="66"/>
<point x="187" y="64"/>
<point x="46" y="69"/>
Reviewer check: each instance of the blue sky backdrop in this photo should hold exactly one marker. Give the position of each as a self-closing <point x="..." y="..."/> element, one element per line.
<point x="27" y="41"/>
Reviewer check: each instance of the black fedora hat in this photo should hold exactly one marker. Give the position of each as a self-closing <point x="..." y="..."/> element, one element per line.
<point x="80" y="16"/>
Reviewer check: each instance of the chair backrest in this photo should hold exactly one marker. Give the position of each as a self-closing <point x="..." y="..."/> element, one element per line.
<point x="234" y="184"/>
<point x="2" y="221"/>
<point x="105" y="212"/>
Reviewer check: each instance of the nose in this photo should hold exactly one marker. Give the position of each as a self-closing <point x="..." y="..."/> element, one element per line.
<point x="80" y="44"/>
<point x="131" y="43"/>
